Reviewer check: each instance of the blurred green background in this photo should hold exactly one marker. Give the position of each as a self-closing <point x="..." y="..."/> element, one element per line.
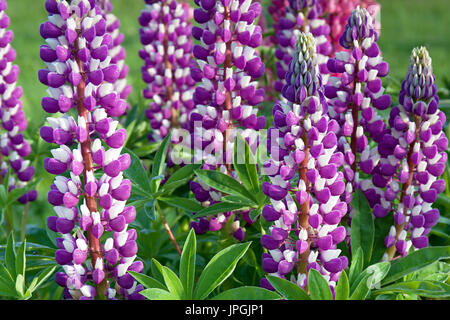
<point x="405" y="24"/>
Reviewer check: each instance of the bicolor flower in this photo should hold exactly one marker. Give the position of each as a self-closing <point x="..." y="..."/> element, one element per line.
<point x="89" y="193"/>
<point x="355" y="93"/>
<point x="165" y="34"/>
<point x="300" y="16"/>
<point x="227" y="70"/>
<point x="306" y="183"/>
<point x="14" y="148"/>
<point x="407" y="178"/>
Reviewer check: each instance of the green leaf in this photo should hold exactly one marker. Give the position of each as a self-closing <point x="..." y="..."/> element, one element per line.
<point x="158" y="294"/>
<point x="3" y="196"/>
<point x="224" y="183"/>
<point x="382" y="227"/>
<point x="10" y="256"/>
<point x="429" y="289"/>
<point x="147" y="281"/>
<point x="244" y="163"/>
<point x="21" y="259"/>
<point x="157" y="270"/>
<point x="179" y="178"/>
<point x="247" y="293"/>
<point x="20" y="284"/>
<point x="362" y="229"/>
<point x="219" y="269"/>
<point x="342" y="287"/>
<point x="149" y="208"/>
<point x="136" y="173"/>
<point x="188" y="205"/>
<point x="187" y="264"/>
<point x="356" y="266"/>
<point x="219" y="208"/>
<point x="288" y="289"/>
<point x="372" y="275"/>
<point x="318" y="286"/>
<point x="39" y="280"/>
<point x="5" y="275"/>
<point x="361" y="290"/>
<point x="173" y="283"/>
<point x="415" y="261"/>
<point x="159" y="163"/>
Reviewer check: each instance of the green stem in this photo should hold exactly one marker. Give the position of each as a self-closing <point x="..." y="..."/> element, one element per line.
<point x="24" y="221"/>
<point x="9" y="219"/>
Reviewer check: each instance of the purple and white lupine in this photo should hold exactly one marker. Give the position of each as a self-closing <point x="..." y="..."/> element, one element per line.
<point x="228" y="67"/>
<point x="407" y="179"/>
<point x="167" y="54"/>
<point x="306" y="182"/>
<point x="354" y="95"/>
<point x="300" y="16"/>
<point x="89" y="193"/>
<point x="14" y="147"/>
<point x="116" y="50"/>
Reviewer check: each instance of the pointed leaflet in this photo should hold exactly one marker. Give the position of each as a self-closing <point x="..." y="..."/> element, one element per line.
<point x="10" y="256"/>
<point x="146" y="281"/>
<point x="318" y="286"/>
<point x="288" y="289"/>
<point x="137" y="174"/>
<point x="187" y="264"/>
<point x="362" y="229"/>
<point x="224" y="183"/>
<point x="219" y="269"/>
<point x="158" y="294"/>
<point x="342" y="289"/>
<point x="244" y="163"/>
<point x="159" y="164"/>
<point x="173" y="283"/>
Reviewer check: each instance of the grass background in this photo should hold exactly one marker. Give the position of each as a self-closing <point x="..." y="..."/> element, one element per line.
<point x="405" y="24"/>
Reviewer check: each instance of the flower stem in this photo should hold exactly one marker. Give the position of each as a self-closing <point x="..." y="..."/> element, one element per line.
<point x="169" y="231"/>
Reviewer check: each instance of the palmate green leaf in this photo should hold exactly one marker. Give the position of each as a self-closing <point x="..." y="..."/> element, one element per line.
<point x="158" y="294"/>
<point x="342" y="289"/>
<point x="147" y="281"/>
<point x="136" y="173"/>
<point x="219" y="269"/>
<point x="224" y="183"/>
<point x="382" y="227"/>
<point x="156" y="268"/>
<point x="244" y="163"/>
<point x="187" y="264"/>
<point x="429" y="289"/>
<point x="20" y="285"/>
<point x="179" y="178"/>
<point x="149" y="208"/>
<point x="318" y="286"/>
<point x="173" y="283"/>
<point x="415" y="261"/>
<point x="362" y="289"/>
<point x="159" y="162"/>
<point x="356" y="265"/>
<point x="3" y="196"/>
<point x="219" y="208"/>
<point x="247" y="293"/>
<point x="186" y="204"/>
<point x="10" y="256"/>
<point x="362" y="229"/>
<point x="287" y="289"/>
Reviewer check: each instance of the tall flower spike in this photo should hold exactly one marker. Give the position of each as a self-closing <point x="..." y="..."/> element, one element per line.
<point x="408" y="177"/>
<point x="13" y="146"/>
<point x="300" y="16"/>
<point x="336" y="14"/>
<point x="167" y="54"/>
<point x="228" y="67"/>
<point x="116" y="50"/>
<point x="89" y="193"/>
<point x="305" y="212"/>
<point x="354" y="94"/>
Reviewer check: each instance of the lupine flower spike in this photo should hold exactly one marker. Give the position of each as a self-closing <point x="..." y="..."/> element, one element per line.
<point x="354" y="94"/>
<point x="228" y="67"/>
<point x="89" y="193"/>
<point x="336" y="13"/>
<point x="14" y="148"/>
<point x="305" y="181"/>
<point x="167" y="53"/>
<point x="417" y="160"/>
<point x="300" y="16"/>
<point x="116" y="50"/>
